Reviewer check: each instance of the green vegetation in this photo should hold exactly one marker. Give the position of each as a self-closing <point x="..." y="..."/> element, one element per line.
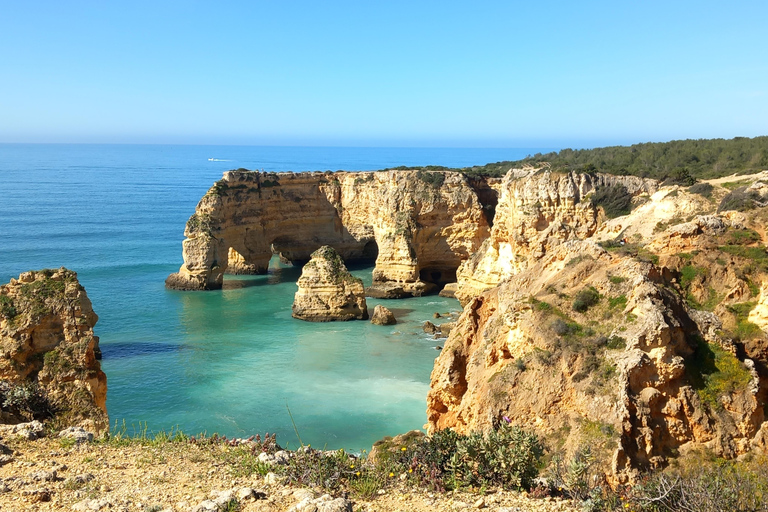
<point x="703" y="189"/>
<point x="25" y="400"/>
<point x="742" y="237"/>
<point x="675" y="162"/>
<point x="578" y="259"/>
<point x="614" y="199"/>
<point x="436" y="179"/>
<point x="40" y="297"/>
<point x="741" y="200"/>
<point x="688" y="274"/>
<point x="617" y="302"/>
<point x="338" y="271"/>
<point x="199" y="223"/>
<point x="7" y="308"/>
<point x="745" y="330"/>
<point x="714" y="372"/>
<point x="585" y="299"/>
<point x="507" y="457"/>
<point x="218" y="189"/>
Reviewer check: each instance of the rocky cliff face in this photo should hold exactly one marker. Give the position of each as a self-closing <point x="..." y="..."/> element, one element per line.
<point x="537" y="210"/>
<point x="327" y="291"/>
<point x="641" y="351"/>
<point x="48" y="350"/>
<point x="418" y="226"/>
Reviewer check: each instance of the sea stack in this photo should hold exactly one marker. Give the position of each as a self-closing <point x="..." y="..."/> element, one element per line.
<point x="382" y="316"/>
<point x="327" y="291"/>
<point x="48" y="362"/>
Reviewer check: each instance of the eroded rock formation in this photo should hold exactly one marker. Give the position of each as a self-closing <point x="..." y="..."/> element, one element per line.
<point x="417" y="225"/>
<point x="641" y="351"/>
<point x="327" y="291"/>
<point x="48" y="364"/>
<point x="382" y="316"/>
<point x="537" y="210"/>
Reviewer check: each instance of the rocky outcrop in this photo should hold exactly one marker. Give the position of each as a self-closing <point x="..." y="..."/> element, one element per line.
<point x="383" y="316"/>
<point x="418" y="226"/>
<point x="537" y="210"/>
<point x="659" y="361"/>
<point x="48" y="362"/>
<point x="327" y="291"/>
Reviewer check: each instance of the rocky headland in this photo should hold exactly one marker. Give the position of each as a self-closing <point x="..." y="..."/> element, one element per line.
<point x="638" y="338"/>
<point x="48" y="359"/>
<point x="418" y="226"/>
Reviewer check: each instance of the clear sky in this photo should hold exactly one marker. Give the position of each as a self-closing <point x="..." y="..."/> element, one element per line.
<point x="485" y="74"/>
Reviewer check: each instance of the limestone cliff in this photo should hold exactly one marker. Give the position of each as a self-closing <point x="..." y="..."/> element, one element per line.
<point x="641" y="351"/>
<point x="537" y="210"/>
<point x="48" y="362"/>
<point x="327" y="291"/>
<point x="418" y="226"/>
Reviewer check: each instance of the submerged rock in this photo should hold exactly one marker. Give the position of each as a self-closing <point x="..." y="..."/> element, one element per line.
<point x="327" y="291"/>
<point x="430" y="328"/>
<point x="383" y="316"/>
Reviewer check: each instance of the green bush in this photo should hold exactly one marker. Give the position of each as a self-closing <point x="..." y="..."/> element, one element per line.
<point x="740" y="200"/>
<point x="585" y="299"/>
<point x="614" y="199"/>
<point x="7" y="308"/>
<point x="703" y="189"/>
<point x="714" y="372"/>
<point x="507" y="457"/>
<point x="711" y="487"/>
<point x="25" y="401"/>
<point x="436" y="179"/>
<point x="680" y="176"/>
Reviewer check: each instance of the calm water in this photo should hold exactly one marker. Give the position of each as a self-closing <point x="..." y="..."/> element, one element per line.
<point x="228" y="361"/>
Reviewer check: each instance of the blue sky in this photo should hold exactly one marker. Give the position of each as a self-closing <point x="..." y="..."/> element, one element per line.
<point x="484" y="74"/>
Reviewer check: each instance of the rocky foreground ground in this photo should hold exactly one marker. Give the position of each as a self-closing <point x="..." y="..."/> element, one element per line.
<point x="62" y="474"/>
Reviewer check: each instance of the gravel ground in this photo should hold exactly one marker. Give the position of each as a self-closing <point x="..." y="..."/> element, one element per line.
<point x="51" y="474"/>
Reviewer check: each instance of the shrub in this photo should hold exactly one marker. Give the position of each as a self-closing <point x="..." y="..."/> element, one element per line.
<point x="742" y="237"/>
<point x="585" y="299"/>
<point x="435" y="179"/>
<point x="26" y="401"/>
<point x="314" y="468"/>
<point x="616" y="342"/>
<point x="7" y="308"/>
<point x="703" y="189"/>
<point x="740" y="200"/>
<point x="681" y="176"/>
<point x="710" y="487"/>
<point x="507" y="457"/>
<point x="714" y="372"/>
<point x="614" y="199"/>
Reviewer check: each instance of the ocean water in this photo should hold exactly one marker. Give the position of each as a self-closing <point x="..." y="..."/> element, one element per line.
<point x="231" y="361"/>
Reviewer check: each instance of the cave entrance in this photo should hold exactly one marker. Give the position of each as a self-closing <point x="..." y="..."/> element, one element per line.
<point x="437" y="275"/>
<point x="370" y="252"/>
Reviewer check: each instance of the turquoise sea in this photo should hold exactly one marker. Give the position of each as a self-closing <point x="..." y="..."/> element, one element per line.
<point x="230" y="361"/>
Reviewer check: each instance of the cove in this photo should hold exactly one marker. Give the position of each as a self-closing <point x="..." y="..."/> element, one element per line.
<point x="244" y="361"/>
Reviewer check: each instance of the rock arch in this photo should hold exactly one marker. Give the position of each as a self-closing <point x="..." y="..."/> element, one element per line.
<point x="398" y="218"/>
